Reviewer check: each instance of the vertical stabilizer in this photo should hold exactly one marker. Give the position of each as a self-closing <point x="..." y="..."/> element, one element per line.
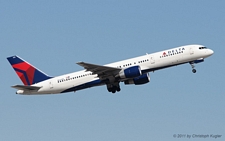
<point x="27" y="73"/>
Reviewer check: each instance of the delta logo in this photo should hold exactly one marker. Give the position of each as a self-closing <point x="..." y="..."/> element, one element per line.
<point x="177" y="50"/>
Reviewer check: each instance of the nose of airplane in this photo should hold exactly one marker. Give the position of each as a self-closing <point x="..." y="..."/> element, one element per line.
<point x="210" y="52"/>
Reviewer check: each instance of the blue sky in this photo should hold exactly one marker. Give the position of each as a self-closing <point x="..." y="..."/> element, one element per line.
<point x="54" y="35"/>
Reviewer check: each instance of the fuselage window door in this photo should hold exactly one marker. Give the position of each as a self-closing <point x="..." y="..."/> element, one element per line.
<point x="152" y="60"/>
<point x="191" y="51"/>
<point x="50" y="84"/>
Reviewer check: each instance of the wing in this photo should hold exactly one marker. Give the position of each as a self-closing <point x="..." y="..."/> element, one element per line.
<point x="25" y="88"/>
<point x="101" y="71"/>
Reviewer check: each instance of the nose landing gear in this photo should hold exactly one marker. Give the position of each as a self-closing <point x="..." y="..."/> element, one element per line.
<point x="194" y="71"/>
<point x="193" y="67"/>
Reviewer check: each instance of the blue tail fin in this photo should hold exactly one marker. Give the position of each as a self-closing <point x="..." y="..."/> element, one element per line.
<point x="27" y="73"/>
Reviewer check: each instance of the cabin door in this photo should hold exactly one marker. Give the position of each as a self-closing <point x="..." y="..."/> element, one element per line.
<point x="50" y="84"/>
<point x="191" y="51"/>
<point x="152" y="60"/>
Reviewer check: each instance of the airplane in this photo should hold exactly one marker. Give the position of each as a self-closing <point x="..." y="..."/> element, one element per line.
<point x="131" y="71"/>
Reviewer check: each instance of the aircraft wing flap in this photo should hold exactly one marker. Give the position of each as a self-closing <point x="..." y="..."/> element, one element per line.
<point x="98" y="69"/>
<point x="25" y="88"/>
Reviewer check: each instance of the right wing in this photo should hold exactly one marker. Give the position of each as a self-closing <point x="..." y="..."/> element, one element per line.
<point x="26" y="88"/>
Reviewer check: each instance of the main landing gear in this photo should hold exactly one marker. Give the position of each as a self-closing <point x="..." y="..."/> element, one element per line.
<point x="193" y="66"/>
<point x="113" y="87"/>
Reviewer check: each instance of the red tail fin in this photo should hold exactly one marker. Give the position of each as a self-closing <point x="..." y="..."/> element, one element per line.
<point x="27" y="73"/>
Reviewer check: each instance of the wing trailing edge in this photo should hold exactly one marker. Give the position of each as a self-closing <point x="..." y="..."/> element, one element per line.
<point x="101" y="71"/>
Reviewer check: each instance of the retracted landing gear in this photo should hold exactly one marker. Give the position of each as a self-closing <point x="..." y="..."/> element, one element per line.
<point x="113" y="87"/>
<point x="193" y="66"/>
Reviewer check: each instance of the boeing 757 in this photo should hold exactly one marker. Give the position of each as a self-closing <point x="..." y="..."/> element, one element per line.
<point x="131" y="71"/>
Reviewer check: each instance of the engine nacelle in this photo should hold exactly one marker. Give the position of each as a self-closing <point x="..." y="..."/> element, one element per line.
<point x="143" y="79"/>
<point x="130" y="72"/>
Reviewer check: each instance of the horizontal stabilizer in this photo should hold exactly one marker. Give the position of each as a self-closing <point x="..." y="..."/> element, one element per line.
<point x="26" y="88"/>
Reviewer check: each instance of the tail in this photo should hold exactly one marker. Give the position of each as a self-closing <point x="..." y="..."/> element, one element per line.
<point x="27" y="73"/>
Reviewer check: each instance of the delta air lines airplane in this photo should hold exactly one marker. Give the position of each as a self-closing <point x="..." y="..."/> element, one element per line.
<point x="131" y="71"/>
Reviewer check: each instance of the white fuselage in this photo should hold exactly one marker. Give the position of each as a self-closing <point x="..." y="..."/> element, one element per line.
<point x="149" y="62"/>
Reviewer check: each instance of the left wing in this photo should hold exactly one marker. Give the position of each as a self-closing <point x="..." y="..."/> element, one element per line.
<point x="101" y="71"/>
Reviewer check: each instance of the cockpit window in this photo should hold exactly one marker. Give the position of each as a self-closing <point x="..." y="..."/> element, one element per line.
<point x="202" y="47"/>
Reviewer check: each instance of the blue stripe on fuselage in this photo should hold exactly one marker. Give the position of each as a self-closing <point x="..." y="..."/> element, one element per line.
<point x="159" y="68"/>
<point x="97" y="82"/>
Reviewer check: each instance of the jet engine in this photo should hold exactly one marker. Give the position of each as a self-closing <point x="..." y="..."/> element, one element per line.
<point x="130" y="72"/>
<point x="143" y="79"/>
